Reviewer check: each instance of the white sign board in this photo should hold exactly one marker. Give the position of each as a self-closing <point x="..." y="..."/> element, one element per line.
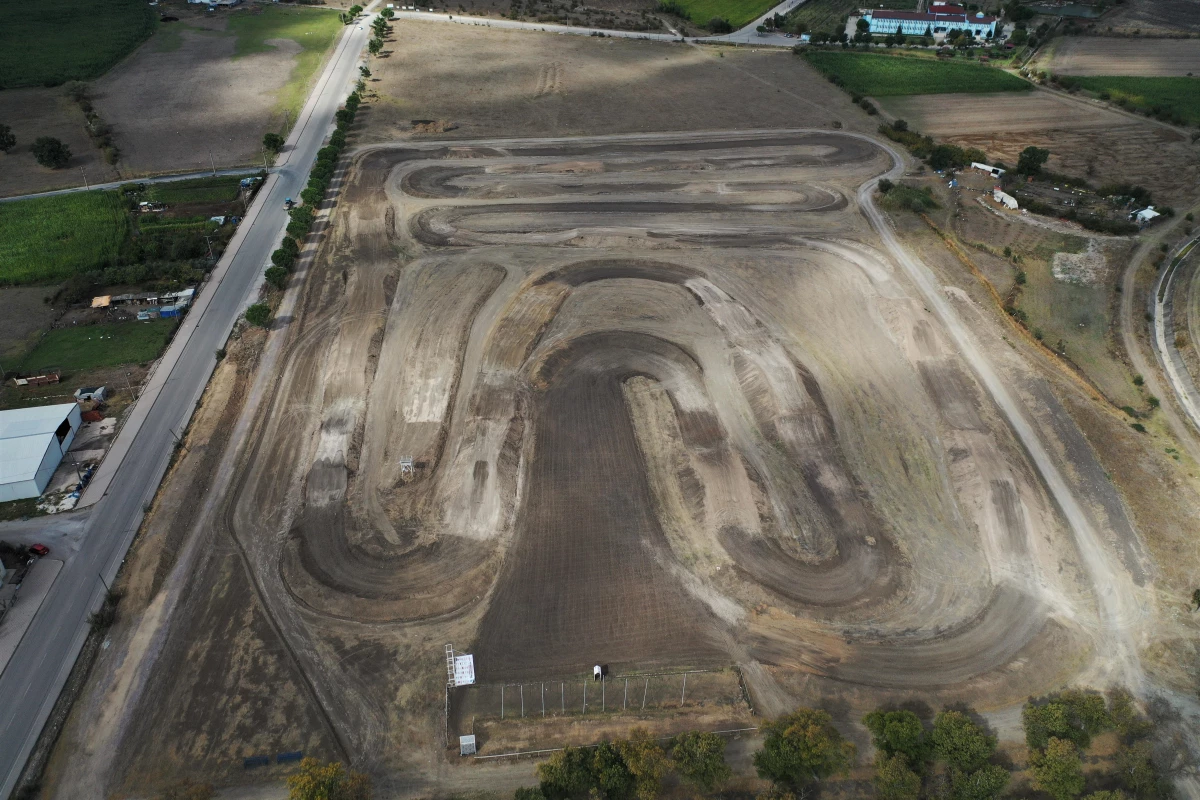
<point x="464" y="670"/>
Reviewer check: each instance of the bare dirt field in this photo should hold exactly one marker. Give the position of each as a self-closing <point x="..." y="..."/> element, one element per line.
<point x="538" y="85"/>
<point x="1088" y="55"/>
<point x="46" y="112"/>
<point x="1083" y="139"/>
<point x="1162" y="17"/>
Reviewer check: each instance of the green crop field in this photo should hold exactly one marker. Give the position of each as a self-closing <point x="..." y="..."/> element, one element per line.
<point x="1177" y="97"/>
<point x="883" y="76"/>
<point x="48" y="42"/>
<point x="48" y="239"/>
<point x="93" y="346"/>
<point x="736" y="12"/>
<point x="313" y="29"/>
<point x="217" y="189"/>
<point x="829" y="16"/>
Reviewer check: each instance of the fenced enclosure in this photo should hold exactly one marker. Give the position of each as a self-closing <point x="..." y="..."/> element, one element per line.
<point x="631" y="694"/>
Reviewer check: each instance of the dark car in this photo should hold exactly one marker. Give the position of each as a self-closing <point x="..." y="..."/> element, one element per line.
<point x="39" y="550"/>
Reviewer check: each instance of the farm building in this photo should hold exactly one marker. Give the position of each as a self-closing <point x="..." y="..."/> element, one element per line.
<point x="32" y="443"/>
<point x="995" y="172"/>
<point x="940" y="18"/>
<point x="1004" y="199"/>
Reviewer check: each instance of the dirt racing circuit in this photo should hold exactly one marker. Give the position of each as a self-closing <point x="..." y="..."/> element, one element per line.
<point x="669" y="404"/>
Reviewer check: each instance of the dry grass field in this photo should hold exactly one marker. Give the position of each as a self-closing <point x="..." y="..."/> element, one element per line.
<point x="1083" y="139"/>
<point x="538" y="85"/>
<point x="1089" y="55"/>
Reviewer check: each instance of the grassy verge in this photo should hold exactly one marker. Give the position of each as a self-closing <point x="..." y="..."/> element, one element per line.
<point x="1175" y="98"/>
<point x="94" y="346"/>
<point x="49" y="42"/>
<point x="19" y="509"/>
<point x="217" y="189"/>
<point x="883" y="76"/>
<point x="829" y="16"/>
<point x="48" y="239"/>
<point x="313" y="29"/>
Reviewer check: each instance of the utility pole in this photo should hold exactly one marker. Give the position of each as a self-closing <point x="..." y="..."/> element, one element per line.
<point x="86" y="187"/>
<point x="211" y="163"/>
<point x="208" y="242"/>
<point x="129" y="386"/>
<point x="104" y="583"/>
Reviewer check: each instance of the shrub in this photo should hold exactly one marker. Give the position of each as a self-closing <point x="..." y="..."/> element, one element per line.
<point x="259" y="314"/>
<point x="885" y="185"/>
<point x="719" y="25"/>
<point x="273" y="142"/>
<point x="673" y="8"/>
<point x="276" y="276"/>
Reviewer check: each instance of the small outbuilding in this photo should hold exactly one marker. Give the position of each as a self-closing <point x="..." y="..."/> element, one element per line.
<point x="86" y="393"/>
<point x="32" y="443"/>
<point x="1005" y="199"/>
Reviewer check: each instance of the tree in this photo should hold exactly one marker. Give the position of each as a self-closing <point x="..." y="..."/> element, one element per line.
<point x="862" y="26"/>
<point x="50" y="152"/>
<point x="961" y="743"/>
<point x="355" y="10"/>
<point x="894" y="780"/>
<point x="612" y="775"/>
<point x="1073" y="715"/>
<point x="802" y="747"/>
<point x="567" y="773"/>
<point x="1057" y="770"/>
<point x="7" y="140"/>
<point x="899" y="733"/>
<point x="317" y="781"/>
<point x="273" y="142"/>
<point x="260" y="314"/>
<point x="1136" y="768"/>
<point x="284" y="259"/>
<point x="529" y="793"/>
<point x="1031" y="160"/>
<point x="276" y="276"/>
<point x="900" y="125"/>
<point x="985" y="783"/>
<point x="1124" y="715"/>
<point x="364" y="71"/>
<point x="1115" y="794"/>
<point x="375" y="46"/>
<point x="762" y="29"/>
<point x="700" y="759"/>
<point x="645" y="760"/>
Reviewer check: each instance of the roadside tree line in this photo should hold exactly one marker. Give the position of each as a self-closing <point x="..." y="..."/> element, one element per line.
<point x="302" y="217"/>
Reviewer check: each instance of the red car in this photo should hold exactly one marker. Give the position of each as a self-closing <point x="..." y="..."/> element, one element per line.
<point x="39" y="550"/>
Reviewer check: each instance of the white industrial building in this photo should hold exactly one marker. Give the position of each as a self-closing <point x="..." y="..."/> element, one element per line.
<point x="32" y="443"/>
<point x="940" y="18"/>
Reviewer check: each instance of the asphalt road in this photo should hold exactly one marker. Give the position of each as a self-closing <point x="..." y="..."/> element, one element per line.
<point x="39" y="668"/>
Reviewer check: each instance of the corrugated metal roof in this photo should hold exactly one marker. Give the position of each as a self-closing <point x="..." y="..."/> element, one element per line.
<point x="25" y="433"/>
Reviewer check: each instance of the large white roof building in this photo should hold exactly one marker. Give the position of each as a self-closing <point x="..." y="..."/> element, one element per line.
<point x="32" y="443"/>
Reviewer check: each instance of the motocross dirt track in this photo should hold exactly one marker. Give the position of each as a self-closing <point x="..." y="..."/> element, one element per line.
<point x="669" y="405"/>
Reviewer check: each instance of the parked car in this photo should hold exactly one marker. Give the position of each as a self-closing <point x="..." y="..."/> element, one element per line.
<point x="39" y="550"/>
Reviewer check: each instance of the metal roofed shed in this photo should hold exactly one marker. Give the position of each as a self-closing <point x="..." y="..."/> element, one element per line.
<point x="32" y="443"/>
